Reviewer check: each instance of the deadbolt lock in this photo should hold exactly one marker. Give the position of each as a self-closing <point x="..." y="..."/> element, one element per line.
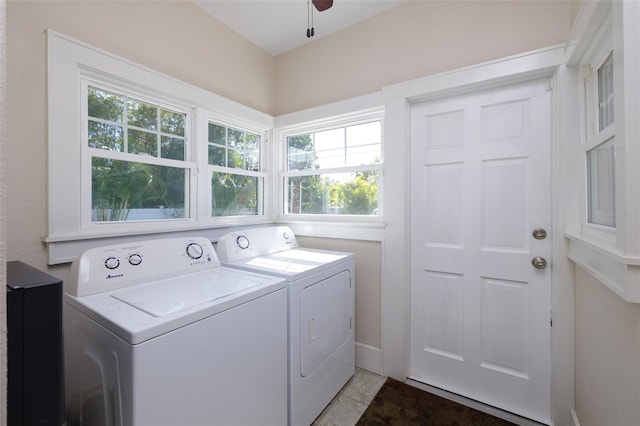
<point x="539" y="234"/>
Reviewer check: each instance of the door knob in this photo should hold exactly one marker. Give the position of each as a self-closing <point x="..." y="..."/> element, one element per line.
<point x="539" y="262"/>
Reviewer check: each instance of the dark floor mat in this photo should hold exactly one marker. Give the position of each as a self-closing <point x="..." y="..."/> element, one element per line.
<point x="397" y="403"/>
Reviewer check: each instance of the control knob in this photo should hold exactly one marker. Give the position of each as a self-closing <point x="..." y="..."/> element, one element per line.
<point x="194" y="250"/>
<point x="112" y="262"/>
<point x="243" y="242"/>
<point x="135" y="259"/>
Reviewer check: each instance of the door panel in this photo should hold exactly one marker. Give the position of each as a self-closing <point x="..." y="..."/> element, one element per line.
<point x="479" y="310"/>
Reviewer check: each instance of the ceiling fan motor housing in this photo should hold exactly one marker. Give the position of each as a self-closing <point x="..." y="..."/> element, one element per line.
<point x="322" y="4"/>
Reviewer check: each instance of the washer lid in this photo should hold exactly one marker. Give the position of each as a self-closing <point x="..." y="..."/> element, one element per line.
<point x="168" y="296"/>
<point x="145" y="311"/>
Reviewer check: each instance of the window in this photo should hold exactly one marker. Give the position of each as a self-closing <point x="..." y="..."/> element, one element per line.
<point x="334" y="170"/>
<point x="237" y="183"/>
<point x="136" y="152"/>
<point x="133" y="153"/>
<point x="599" y="146"/>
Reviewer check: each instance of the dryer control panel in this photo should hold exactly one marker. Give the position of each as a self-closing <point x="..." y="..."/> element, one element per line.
<point x="253" y="242"/>
<point x="122" y="265"/>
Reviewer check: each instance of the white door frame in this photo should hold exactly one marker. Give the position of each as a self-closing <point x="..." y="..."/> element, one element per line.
<point x="396" y="257"/>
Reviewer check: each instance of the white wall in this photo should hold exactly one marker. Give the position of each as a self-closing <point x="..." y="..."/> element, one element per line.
<point x="607" y="355"/>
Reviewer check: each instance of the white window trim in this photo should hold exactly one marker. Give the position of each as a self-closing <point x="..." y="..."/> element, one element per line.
<point x="68" y="61"/>
<point x="612" y="255"/>
<point x="87" y="153"/>
<point x="264" y="133"/>
<point x="345" y="113"/>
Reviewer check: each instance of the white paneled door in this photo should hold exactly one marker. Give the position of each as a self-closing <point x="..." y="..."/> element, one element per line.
<point x="480" y="308"/>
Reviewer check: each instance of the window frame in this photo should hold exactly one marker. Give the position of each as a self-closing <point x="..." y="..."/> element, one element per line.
<point x="592" y="137"/>
<point x="319" y="125"/>
<point x="261" y="174"/>
<point x="69" y="61"/>
<point x="189" y="164"/>
<point x="611" y="256"/>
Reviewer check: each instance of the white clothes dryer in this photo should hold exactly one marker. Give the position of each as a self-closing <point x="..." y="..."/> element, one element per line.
<point x="158" y="333"/>
<point x="321" y="311"/>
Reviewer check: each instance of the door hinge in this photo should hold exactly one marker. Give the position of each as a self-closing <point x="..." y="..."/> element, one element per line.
<point x="550" y="320"/>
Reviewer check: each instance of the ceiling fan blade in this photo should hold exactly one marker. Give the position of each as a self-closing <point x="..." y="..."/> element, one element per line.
<point x="322" y="4"/>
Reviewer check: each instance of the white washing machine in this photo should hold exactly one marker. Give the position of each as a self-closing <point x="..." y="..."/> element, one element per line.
<point x="321" y="311"/>
<point x="158" y="333"/>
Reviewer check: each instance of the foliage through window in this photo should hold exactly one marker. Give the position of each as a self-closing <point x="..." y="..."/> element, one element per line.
<point x="138" y="152"/>
<point x="237" y="184"/>
<point x="334" y="171"/>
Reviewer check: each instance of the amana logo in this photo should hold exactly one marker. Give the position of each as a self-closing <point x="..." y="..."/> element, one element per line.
<point x="114" y="276"/>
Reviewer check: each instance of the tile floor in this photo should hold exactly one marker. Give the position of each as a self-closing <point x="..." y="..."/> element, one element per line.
<point x="347" y="407"/>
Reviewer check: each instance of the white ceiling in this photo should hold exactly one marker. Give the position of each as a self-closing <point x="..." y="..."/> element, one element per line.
<point x="280" y="25"/>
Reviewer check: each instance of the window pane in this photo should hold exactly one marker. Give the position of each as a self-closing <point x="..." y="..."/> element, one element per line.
<point x="337" y="193"/>
<point x="330" y="148"/>
<point x="235" y="195"/>
<point x="363" y="144"/>
<point x="142" y="115"/>
<point x="252" y="156"/>
<point x="105" y="105"/>
<point x="344" y="147"/>
<point x="216" y="156"/>
<point x="125" y="191"/>
<point x="217" y="134"/>
<point x="605" y="93"/>
<point x="601" y="185"/>
<point x="106" y="136"/>
<point x="142" y="142"/>
<point x="172" y="122"/>
<point x="172" y="148"/>
<point x="301" y="152"/>
<point x="235" y="138"/>
<point x="234" y="159"/>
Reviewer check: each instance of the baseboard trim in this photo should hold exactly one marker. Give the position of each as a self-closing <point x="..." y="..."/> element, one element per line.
<point x="574" y="418"/>
<point x="369" y="358"/>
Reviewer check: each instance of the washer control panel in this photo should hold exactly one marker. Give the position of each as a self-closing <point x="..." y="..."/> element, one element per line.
<point x="247" y="243"/>
<point x="117" y="266"/>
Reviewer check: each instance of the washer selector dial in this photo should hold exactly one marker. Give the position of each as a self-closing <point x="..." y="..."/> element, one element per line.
<point x="194" y="250"/>
<point x="112" y="262"/>
<point x="243" y="242"/>
<point x="135" y="259"/>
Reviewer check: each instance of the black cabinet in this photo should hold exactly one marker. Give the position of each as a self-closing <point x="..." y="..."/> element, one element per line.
<point x="34" y="346"/>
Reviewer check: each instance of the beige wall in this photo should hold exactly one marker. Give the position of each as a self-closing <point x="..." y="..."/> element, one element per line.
<point x="368" y="282"/>
<point x="415" y="39"/>
<point x="3" y="224"/>
<point x="607" y="355"/>
<point x="175" y="38"/>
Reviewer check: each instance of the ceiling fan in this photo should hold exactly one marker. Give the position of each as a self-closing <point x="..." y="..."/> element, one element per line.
<point x="320" y="5"/>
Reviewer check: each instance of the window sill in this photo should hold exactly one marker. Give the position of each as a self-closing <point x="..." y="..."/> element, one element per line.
<point x="602" y="260"/>
<point x="372" y="231"/>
